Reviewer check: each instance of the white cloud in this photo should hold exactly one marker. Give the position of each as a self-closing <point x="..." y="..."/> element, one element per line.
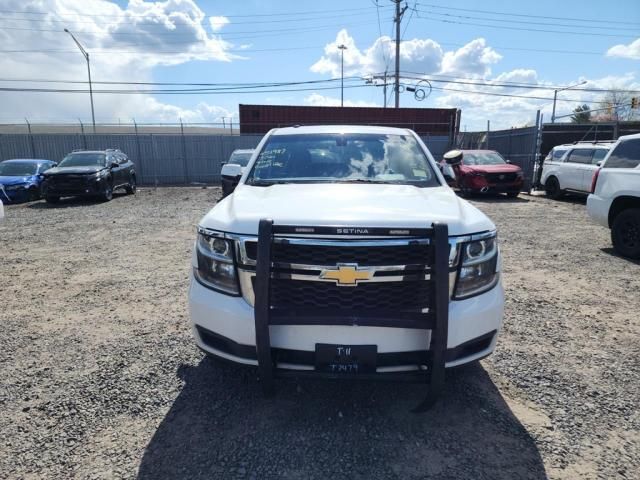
<point x="317" y="100"/>
<point x="472" y="60"/>
<point x="631" y="51"/>
<point x="217" y="23"/>
<point x="416" y="55"/>
<point x="126" y="46"/>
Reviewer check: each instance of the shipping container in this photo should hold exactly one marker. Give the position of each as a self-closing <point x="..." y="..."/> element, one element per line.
<point x="424" y="121"/>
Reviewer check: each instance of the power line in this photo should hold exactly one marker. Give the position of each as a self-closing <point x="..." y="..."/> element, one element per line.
<point x="173" y="21"/>
<point x="506" y="83"/>
<point x="526" y="22"/>
<point x="503" y="27"/>
<point x="280" y="30"/>
<point x="596" y="20"/>
<point x="235" y="84"/>
<point x="125" y="13"/>
<point x="173" y="92"/>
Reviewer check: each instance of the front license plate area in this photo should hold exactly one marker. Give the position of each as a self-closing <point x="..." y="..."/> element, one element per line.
<point x="346" y="359"/>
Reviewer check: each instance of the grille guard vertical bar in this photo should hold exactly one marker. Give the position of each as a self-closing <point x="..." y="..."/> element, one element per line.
<point x="440" y="332"/>
<point x="262" y="305"/>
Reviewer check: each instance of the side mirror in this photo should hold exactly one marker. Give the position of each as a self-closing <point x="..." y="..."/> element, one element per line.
<point x="508" y="161"/>
<point x="453" y="157"/>
<point x="599" y="163"/>
<point x="231" y="170"/>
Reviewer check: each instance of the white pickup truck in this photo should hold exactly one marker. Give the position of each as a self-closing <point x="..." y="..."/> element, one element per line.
<point x="342" y="252"/>
<point x="615" y="198"/>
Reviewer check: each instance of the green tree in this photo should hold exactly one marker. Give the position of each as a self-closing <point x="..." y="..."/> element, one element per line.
<point x="581" y="114"/>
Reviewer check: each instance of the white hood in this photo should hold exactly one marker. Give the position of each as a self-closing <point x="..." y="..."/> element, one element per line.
<point x="352" y="205"/>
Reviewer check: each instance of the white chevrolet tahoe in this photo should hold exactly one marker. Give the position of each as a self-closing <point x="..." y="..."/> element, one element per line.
<point x="569" y="168"/>
<point x="615" y="198"/>
<point x="342" y="252"/>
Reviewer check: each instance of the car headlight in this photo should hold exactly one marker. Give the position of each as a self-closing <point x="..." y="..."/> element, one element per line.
<point x="478" y="268"/>
<point x="216" y="268"/>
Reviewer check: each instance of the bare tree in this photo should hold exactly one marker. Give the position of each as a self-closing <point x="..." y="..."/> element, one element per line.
<point x="618" y="107"/>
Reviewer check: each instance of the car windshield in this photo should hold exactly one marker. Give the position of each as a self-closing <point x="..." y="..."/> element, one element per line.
<point x="342" y="158"/>
<point x="83" y="160"/>
<point x="8" y="169"/>
<point x="240" y="158"/>
<point x="483" y="158"/>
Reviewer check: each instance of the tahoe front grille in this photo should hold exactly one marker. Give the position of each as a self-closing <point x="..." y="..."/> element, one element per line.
<point x="294" y="294"/>
<point x="409" y="254"/>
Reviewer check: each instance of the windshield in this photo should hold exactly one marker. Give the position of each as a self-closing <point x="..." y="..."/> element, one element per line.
<point x="238" y="158"/>
<point x="483" y="158"/>
<point x="8" y="169"/>
<point x="83" y="160"/>
<point x="335" y="158"/>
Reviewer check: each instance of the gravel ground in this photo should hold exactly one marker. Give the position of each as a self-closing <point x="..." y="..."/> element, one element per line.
<point x="101" y="378"/>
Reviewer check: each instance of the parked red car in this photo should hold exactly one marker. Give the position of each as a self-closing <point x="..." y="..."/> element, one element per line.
<point x="482" y="171"/>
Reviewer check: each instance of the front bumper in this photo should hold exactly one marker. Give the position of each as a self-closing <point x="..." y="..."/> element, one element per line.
<point x="14" y="196"/>
<point x="225" y="326"/>
<point x="598" y="209"/>
<point x="86" y="187"/>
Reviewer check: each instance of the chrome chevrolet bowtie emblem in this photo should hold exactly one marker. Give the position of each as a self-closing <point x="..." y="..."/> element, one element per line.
<point x="346" y="274"/>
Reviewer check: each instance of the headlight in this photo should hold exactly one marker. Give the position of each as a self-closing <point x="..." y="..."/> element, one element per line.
<point x="98" y="175"/>
<point x="478" y="270"/>
<point x="216" y="268"/>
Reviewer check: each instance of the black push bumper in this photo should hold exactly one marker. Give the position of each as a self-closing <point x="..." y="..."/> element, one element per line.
<point x="434" y="318"/>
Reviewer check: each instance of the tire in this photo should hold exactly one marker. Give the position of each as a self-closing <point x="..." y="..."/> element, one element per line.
<point x="552" y="187"/>
<point x="513" y="194"/>
<point x="52" y="199"/>
<point x="132" y="187"/>
<point x="33" y="194"/>
<point x="107" y="194"/>
<point x="625" y="233"/>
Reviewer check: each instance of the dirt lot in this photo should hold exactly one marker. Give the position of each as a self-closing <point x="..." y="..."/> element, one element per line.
<point x="101" y="379"/>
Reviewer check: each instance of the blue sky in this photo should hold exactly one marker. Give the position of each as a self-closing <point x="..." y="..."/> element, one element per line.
<point x="299" y="41"/>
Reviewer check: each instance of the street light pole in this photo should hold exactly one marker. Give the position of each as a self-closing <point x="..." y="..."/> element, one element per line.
<point x="85" y="54"/>
<point x="342" y="48"/>
<point x="555" y="98"/>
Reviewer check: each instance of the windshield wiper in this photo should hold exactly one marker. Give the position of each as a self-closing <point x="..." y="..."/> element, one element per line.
<point x="359" y="180"/>
<point x="266" y="183"/>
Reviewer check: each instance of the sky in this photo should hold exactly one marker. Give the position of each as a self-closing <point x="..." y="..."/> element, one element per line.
<point x="465" y="48"/>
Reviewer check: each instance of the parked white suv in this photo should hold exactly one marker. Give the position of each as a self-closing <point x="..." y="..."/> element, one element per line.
<point x="615" y="198"/>
<point x="342" y="252"/>
<point x="569" y="168"/>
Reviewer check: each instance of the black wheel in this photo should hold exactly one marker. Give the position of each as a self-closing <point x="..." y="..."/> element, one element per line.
<point x="513" y="194"/>
<point x="552" y="187"/>
<point x="107" y="194"/>
<point x="131" y="188"/>
<point x="625" y="233"/>
<point x="52" y="199"/>
<point x="33" y="194"/>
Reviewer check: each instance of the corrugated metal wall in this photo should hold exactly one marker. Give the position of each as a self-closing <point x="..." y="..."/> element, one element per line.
<point x="162" y="159"/>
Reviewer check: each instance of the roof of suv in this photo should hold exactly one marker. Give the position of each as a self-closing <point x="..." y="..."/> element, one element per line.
<point x="339" y="129"/>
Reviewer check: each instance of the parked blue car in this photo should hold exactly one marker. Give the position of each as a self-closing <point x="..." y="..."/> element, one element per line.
<point x="21" y="179"/>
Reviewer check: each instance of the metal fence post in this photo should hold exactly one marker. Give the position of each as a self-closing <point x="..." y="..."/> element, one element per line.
<point x="84" y="137"/>
<point x="535" y="151"/>
<point x="154" y="151"/>
<point x="184" y="155"/>
<point x="488" y="131"/>
<point x="33" y="145"/>
<point x="140" y="169"/>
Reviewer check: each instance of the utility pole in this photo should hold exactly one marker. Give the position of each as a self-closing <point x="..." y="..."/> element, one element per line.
<point x="397" y="20"/>
<point x="342" y="48"/>
<point x="85" y="54"/>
